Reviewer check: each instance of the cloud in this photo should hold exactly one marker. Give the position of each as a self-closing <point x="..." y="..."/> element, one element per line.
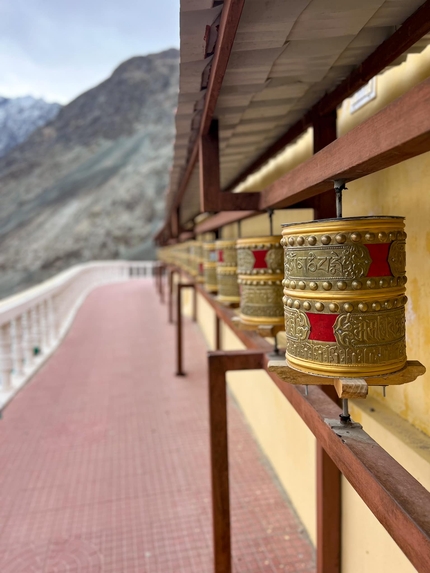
<point x="56" y="49"/>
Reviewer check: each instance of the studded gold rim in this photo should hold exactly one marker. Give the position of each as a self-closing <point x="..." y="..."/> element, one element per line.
<point x="345" y="296"/>
<point x="335" y="370"/>
<point x="209" y="265"/>
<point x="246" y="319"/>
<point x="376" y="224"/>
<point x="259" y="279"/>
<point x="225" y="244"/>
<point x="227" y="271"/>
<point x="269" y="240"/>
<point x="225" y="298"/>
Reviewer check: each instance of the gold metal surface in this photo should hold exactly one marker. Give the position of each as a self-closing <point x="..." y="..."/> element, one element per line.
<point x="228" y="288"/>
<point x="226" y="253"/>
<point x="261" y="299"/>
<point x="354" y="270"/>
<point x="252" y="259"/>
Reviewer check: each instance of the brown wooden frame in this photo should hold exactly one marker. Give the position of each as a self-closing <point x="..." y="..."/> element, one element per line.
<point x="219" y="363"/>
<point x="211" y="196"/>
<point x="230" y="17"/>
<point x="396" y="499"/>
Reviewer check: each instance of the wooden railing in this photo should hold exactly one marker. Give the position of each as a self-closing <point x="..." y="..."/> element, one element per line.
<point x="33" y="322"/>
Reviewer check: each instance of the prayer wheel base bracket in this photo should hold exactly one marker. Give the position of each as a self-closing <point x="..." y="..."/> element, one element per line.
<point x="342" y="428"/>
<point x="347" y="387"/>
<point x="264" y="330"/>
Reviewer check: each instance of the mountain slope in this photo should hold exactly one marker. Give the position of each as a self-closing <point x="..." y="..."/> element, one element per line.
<point x="90" y="184"/>
<point x="20" y="116"/>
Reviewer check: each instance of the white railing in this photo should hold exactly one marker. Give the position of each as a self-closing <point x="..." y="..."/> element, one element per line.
<point x="33" y="322"/>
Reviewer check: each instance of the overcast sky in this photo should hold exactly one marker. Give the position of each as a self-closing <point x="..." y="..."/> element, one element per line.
<point x="56" y="49"/>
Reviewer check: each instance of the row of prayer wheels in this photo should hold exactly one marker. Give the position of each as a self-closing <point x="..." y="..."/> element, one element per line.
<point x="339" y="285"/>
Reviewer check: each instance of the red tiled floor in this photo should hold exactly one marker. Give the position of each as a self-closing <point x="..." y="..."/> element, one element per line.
<point x="104" y="463"/>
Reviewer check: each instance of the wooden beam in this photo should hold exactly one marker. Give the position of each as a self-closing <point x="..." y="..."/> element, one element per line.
<point x="328" y="475"/>
<point x="325" y="132"/>
<point x="230" y="17"/>
<point x="398" y="132"/>
<point x="238" y="201"/>
<point x="221" y="220"/>
<point x="209" y="172"/>
<point x="412" y="30"/>
<point x="212" y="199"/>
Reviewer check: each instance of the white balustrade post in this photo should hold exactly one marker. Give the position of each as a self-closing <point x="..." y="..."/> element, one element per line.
<point x="36" y="339"/>
<point x="6" y="356"/>
<point x="17" y="345"/>
<point x="52" y="321"/>
<point x="42" y="327"/>
<point x="27" y="339"/>
<point x="47" y="321"/>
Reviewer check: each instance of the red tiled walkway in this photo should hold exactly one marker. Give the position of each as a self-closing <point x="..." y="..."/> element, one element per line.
<point x="104" y="462"/>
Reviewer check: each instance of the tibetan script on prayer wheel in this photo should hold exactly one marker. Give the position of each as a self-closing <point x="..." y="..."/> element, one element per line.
<point x="259" y="268"/>
<point x="344" y="296"/>
<point x="226" y="260"/>
<point x="209" y="267"/>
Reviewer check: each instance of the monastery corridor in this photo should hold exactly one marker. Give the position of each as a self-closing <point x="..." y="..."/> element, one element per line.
<point x="105" y="456"/>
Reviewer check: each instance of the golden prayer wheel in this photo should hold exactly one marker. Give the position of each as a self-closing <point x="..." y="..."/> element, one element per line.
<point x="259" y="269"/>
<point x="196" y="260"/>
<point x="226" y="270"/>
<point x="199" y="262"/>
<point x="209" y="267"/>
<point x="344" y="296"/>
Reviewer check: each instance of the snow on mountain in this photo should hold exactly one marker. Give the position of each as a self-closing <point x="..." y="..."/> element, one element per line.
<point x="20" y="116"/>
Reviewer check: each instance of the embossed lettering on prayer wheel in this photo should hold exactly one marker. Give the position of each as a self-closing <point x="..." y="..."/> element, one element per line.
<point x="197" y="260"/>
<point x="228" y="288"/>
<point x="209" y="267"/>
<point x="259" y="268"/>
<point x="344" y="296"/>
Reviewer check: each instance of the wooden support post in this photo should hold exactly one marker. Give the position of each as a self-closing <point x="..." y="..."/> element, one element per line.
<point x="194" y="305"/>
<point x="212" y="199"/>
<point x="328" y="513"/>
<point x="217" y="333"/>
<point x="218" y="365"/>
<point x="174" y="223"/>
<point x="325" y="132"/>
<point x="179" y="329"/>
<point x="162" y="269"/>
<point x="209" y="169"/>
<point x="328" y="475"/>
<point x="171" y="272"/>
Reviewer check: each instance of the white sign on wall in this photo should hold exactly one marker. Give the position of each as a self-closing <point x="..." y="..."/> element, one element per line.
<point x="363" y="96"/>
